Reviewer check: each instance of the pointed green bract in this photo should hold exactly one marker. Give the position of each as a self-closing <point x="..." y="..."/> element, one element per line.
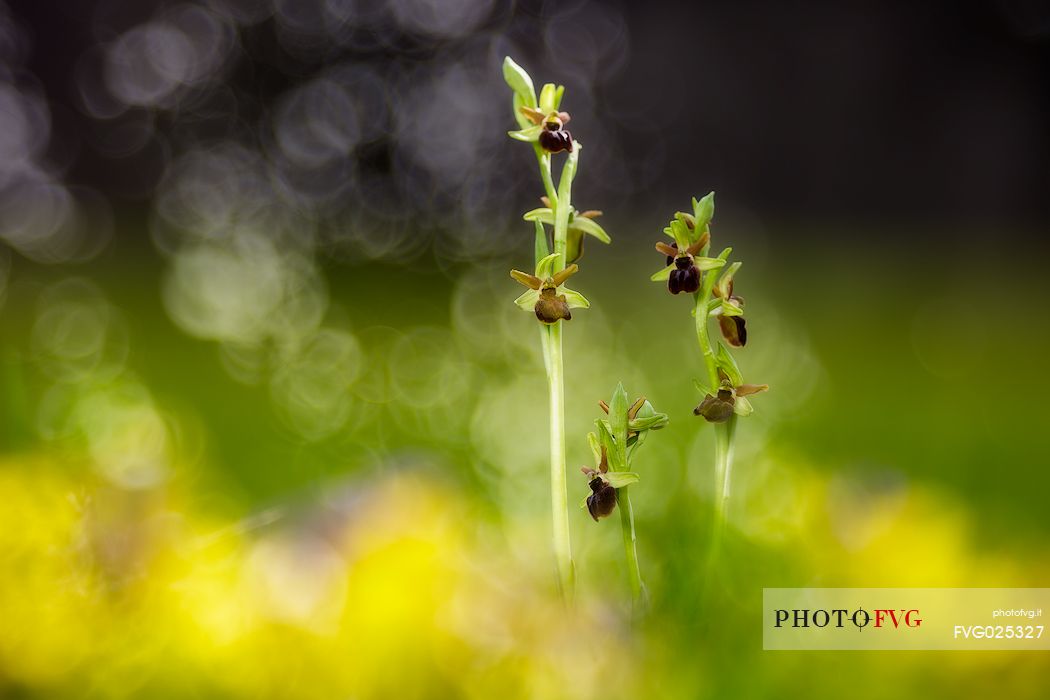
<point x="704" y="211"/>
<point x="596" y="448"/>
<point x="544" y="214"/>
<point x="618" y="413"/>
<point x="725" y="278"/>
<point x="729" y="366"/>
<point x="590" y="227"/>
<point x="519" y="81"/>
<point x="609" y="443"/>
<point x="618" y="421"/>
<point x="542" y="250"/>
<point x="620" y="479"/>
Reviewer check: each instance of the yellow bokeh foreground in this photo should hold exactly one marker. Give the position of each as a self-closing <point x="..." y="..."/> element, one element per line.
<point x="388" y="587"/>
<point x="391" y="586"/>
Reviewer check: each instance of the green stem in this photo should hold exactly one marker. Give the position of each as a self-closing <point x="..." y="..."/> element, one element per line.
<point x="703" y="298"/>
<point x="630" y="548"/>
<point x="564" y="204"/>
<point x="724" y="433"/>
<point x="552" y="347"/>
<point x="559" y="500"/>
<point x="544" y="160"/>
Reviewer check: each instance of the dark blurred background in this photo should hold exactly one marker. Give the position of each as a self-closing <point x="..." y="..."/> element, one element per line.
<point x="819" y="113"/>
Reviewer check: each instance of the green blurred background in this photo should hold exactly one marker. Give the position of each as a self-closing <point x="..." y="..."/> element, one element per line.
<point x="263" y="435"/>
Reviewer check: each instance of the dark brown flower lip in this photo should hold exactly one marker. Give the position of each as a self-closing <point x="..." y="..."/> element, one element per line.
<point x="602" y="502"/>
<point x="717" y="409"/>
<point x="684" y="280"/>
<point x="556" y="141"/>
<point x="552" y="307"/>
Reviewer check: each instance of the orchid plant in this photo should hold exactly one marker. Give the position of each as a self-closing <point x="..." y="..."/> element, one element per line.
<point x="541" y="123"/>
<point x="614" y="445"/>
<point x="689" y="269"/>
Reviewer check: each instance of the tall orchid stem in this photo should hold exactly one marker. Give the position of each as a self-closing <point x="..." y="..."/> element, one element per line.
<point x="630" y="548"/>
<point x="552" y="356"/>
<point x="724" y="432"/>
<point x="559" y="500"/>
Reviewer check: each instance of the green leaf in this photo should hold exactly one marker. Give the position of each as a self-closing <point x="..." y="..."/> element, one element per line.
<point x="663" y="274"/>
<point x="620" y="479"/>
<point x="702" y="388"/>
<point x="704" y="211"/>
<point x="544" y="214"/>
<point x="583" y="501"/>
<point x="574" y="299"/>
<point x="728" y="365"/>
<point x="743" y="407"/>
<point x="548" y="98"/>
<point x="724" y="255"/>
<point x="528" y="300"/>
<point x="532" y="133"/>
<point x="542" y="249"/>
<point x="709" y="263"/>
<point x="519" y="81"/>
<point x="591" y="228"/>
<point x="596" y="448"/>
<point x="558" y="95"/>
<point x="523" y="121"/>
<point x="545" y="267"/>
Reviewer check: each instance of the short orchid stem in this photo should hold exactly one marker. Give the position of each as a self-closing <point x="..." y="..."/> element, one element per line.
<point x="630" y="548"/>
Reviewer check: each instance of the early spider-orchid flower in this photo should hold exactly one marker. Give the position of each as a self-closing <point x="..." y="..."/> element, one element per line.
<point x="546" y="296"/>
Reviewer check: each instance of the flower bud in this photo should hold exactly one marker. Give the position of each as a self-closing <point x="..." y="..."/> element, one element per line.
<point x="734" y="330"/>
<point x="602" y="502"/>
